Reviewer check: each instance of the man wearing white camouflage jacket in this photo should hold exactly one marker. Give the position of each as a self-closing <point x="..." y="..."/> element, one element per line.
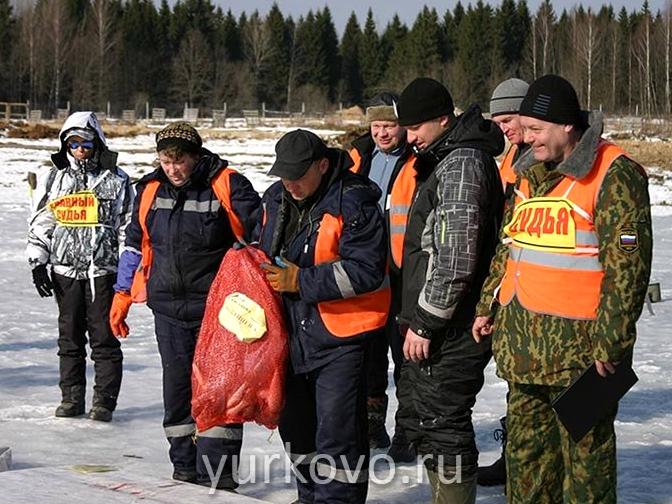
<point x="81" y="208"/>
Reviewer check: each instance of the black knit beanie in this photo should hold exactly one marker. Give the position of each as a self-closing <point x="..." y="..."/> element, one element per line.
<point x="422" y="100"/>
<point x="552" y="99"/>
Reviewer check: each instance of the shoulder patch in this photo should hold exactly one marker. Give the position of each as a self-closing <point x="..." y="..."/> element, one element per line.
<point x="628" y="239"/>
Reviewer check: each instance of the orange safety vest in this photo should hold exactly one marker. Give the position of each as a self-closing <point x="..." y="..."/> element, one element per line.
<point x="506" y="173"/>
<point x="356" y="159"/>
<point x="221" y="185"/>
<point x="545" y="275"/>
<point x="399" y="202"/>
<point x="353" y="315"/>
<point x="401" y="198"/>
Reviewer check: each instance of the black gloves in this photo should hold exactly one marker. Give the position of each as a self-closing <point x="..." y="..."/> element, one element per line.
<point x="42" y="281"/>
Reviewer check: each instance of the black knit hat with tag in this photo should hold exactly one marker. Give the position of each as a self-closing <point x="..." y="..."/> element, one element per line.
<point x="552" y="99"/>
<point x="422" y="100"/>
<point x="179" y="134"/>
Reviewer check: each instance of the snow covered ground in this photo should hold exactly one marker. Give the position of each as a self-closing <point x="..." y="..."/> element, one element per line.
<point x="134" y="442"/>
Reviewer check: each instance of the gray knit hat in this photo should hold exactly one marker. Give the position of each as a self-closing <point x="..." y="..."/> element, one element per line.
<point x="507" y="97"/>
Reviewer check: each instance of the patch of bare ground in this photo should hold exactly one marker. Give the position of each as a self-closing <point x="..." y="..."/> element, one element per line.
<point x="649" y="153"/>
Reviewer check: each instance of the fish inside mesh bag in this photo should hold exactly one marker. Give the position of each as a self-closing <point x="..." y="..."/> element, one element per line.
<point x="241" y="354"/>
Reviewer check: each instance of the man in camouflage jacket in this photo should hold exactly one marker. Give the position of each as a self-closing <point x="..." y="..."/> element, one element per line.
<point x="538" y="353"/>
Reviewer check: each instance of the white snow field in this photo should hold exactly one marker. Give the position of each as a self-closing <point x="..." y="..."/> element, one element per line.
<point x="58" y="461"/>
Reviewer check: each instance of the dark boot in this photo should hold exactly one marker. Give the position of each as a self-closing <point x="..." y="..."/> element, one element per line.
<point x="377" y="411"/>
<point x="72" y="404"/>
<point x="495" y="474"/>
<point x="185" y="475"/>
<point x="100" y="414"/>
<point x="401" y="451"/>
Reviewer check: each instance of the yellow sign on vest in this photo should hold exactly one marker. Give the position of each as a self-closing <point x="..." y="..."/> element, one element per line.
<point x="243" y="317"/>
<point x="543" y="224"/>
<point x="77" y="209"/>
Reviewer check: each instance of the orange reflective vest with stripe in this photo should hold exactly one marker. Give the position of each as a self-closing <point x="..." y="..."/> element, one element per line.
<point x="506" y="173"/>
<point x="357" y="313"/>
<point x="553" y="266"/>
<point x="399" y="203"/>
<point x="221" y="185"/>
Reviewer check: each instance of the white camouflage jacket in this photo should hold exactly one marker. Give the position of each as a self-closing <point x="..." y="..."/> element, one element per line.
<point x="80" y="249"/>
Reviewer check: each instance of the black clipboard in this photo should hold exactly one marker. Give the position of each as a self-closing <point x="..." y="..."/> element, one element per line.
<point x="590" y="398"/>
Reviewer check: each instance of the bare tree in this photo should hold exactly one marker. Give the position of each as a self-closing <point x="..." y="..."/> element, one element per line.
<point x="292" y="66"/>
<point x="29" y="47"/>
<point x="101" y="31"/>
<point x="614" y="60"/>
<point x="256" y="44"/>
<point x="642" y="54"/>
<point x="57" y="28"/>
<point x="544" y="21"/>
<point x="587" y="44"/>
<point x="191" y="68"/>
<point x="667" y="23"/>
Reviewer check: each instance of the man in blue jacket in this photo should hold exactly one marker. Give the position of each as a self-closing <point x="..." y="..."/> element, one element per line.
<point x="187" y="214"/>
<point x="324" y="230"/>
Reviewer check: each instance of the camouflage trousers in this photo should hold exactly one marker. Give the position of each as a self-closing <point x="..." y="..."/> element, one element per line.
<point x="544" y="465"/>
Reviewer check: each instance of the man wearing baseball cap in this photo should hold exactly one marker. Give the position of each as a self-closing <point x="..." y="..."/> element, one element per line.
<point x="324" y="232"/>
<point x="450" y="238"/>
<point x="566" y="292"/>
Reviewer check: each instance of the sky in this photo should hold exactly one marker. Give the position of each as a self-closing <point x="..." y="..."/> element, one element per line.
<point x="383" y="10"/>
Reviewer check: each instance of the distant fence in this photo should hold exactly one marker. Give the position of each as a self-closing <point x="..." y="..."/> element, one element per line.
<point x="645" y="126"/>
<point x="9" y="110"/>
<point x="214" y="117"/>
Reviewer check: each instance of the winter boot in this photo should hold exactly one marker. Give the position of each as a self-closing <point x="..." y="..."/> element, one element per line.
<point x="72" y="404"/>
<point x="100" y="414"/>
<point x="401" y="451"/>
<point x="377" y="411"/>
<point x="495" y="474"/>
<point x="186" y="475"/>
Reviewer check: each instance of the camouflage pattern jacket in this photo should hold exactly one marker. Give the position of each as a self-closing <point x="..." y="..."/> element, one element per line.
<point x="541" y="349"/>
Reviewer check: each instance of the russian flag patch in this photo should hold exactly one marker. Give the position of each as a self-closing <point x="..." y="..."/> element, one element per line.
<point x="628" y="239"/>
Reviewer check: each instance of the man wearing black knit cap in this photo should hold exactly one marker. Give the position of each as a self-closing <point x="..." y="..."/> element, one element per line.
<point x="566" y="292"/>
<point x="450" y="238"/>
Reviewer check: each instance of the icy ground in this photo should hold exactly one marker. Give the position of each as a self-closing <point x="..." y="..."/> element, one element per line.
<point x="134" y="442"/>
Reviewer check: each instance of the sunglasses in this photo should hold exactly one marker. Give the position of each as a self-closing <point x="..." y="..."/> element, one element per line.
<point x="87" y="145"/>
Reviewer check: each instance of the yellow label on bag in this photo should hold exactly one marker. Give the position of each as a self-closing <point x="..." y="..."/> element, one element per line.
<point x="77" y="209"/>
<point x="543" y="224"/>
<point x="243" y="317"/>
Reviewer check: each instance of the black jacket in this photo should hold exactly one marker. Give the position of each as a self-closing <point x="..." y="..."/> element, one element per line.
<point x="453" y="226"/>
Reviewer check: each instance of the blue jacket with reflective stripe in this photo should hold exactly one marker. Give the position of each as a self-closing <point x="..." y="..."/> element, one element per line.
<point x="190" y="233"/>
<point x="362" y="250"/>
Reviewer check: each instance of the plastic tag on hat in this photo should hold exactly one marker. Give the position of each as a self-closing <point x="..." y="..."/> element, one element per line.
<point x="243" y="317"/>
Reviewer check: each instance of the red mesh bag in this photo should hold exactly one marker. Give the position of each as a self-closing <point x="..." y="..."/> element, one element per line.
<point x="234" y="381"/>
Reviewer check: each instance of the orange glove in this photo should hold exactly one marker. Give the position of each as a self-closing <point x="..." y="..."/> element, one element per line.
<point x="282" y="279"/>
<point x="118" y="313"/>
